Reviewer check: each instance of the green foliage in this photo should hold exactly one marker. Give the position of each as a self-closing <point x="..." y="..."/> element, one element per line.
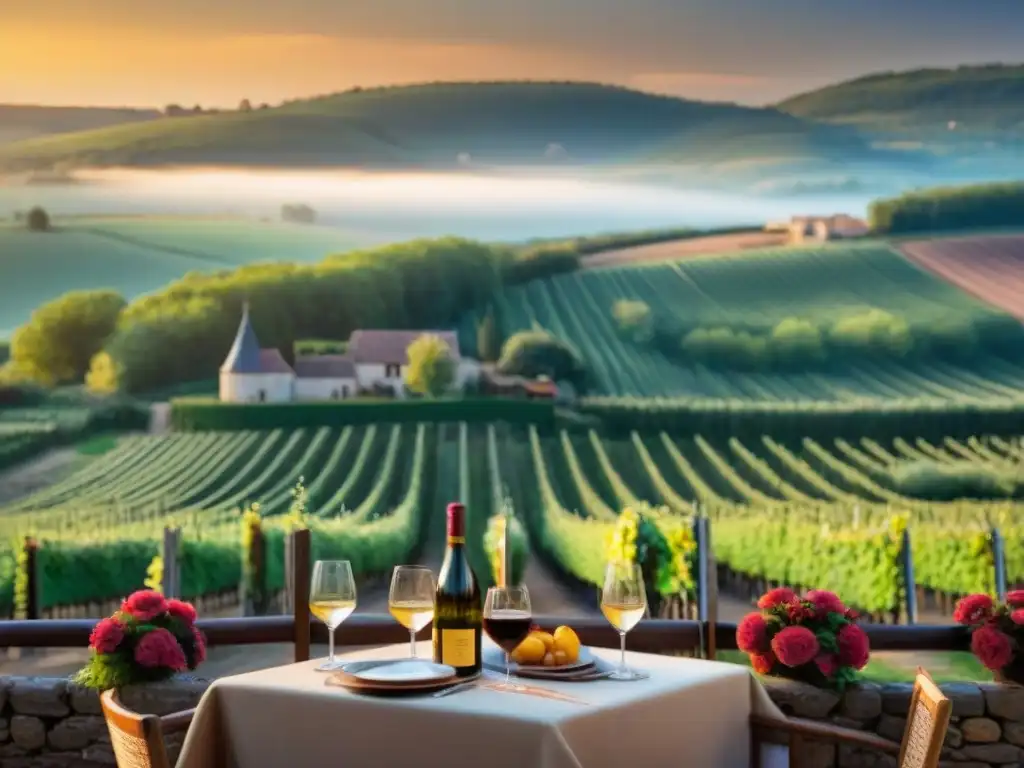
<point x="488" y="342"/>
<point x="661" y="543"/>
<point x="38" y="220"/>
<point x="634" y="319"/>
<point x="950" y="208"/>
<point x="55" y="346"/>
<point x="539" y="353"/>
<point x="155" y="575"/>
<point x="934" y="481"/>
<point x="795" y="340"/>
<point x="727" y="348"/>
<point x="875" y="332"/>
<point x="431" y="368"/>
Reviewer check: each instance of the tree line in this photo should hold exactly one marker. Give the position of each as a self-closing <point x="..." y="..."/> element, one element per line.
<point x="950" y="208"/>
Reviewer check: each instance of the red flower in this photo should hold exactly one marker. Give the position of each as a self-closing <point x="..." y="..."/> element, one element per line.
<point x="992" y="647"/>
<point x="752" y="634"/>
<point x="159" y="648"/>
<point x="762" y="662"/>
<point x="1015" y="598"/>
<point x="797" y="612"/>
<point x="199" y="643"/>
<point x="827" y="664"/>
<point x="1017" y="616"/>
<point x="106" y="636"/>
<point x="145" y="604"/>
<point x="825" y="601"/>
<point x="795" y="646"/>
<point x="775" y="597"/>
<point x="851" y="615"/>
<point x="179" y="609"/>
<point x="973" y="609"/>
<point x="854" y="649"/>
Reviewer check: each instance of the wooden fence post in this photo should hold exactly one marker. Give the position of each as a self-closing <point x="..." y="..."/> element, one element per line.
<point x="999" y="561"/>
<point x="300" y="567"/>
<point x="707" y="585"/>
<point x="289" y="574"/>
<point x="172" y="575"/>
<point x="909" y="584"/>
<point x="254" y="571"/>
<point x="32" y="594"/>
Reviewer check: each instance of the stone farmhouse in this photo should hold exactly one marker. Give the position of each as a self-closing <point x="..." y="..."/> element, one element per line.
<point x="375" y="363"/>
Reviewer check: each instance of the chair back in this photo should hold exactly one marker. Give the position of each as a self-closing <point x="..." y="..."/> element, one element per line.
<point x="137" y="740"/>
<point x="927" y="723"/>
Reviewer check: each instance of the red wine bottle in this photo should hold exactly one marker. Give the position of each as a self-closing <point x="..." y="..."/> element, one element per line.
<point x="458" y="613"/>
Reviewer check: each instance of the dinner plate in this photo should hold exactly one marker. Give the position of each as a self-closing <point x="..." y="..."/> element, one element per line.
<point x="343" y="679"/>
<point x="494" y="658"/>
<point x="399" y="671"/>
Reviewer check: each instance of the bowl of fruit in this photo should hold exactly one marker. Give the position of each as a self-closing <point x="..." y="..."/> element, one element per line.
<point x="544" y="654"/>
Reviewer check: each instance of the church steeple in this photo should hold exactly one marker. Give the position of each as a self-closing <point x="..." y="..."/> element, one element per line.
<point x="244" y="356"/>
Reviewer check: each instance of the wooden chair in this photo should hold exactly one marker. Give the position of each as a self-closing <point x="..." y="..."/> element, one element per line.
<point x="923" y="737"/>
<point x="138" y="740"/>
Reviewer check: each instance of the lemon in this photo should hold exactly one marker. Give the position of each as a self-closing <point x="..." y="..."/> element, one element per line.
<point x="568" y="642"/>
<point x="530" y="651"/>
<point x="560" y="659"/>
<point x="545" y="637"/>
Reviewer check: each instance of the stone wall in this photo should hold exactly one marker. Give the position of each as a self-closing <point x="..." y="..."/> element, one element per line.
<point x="986" y="728"/>
<point x="53" y="723"/>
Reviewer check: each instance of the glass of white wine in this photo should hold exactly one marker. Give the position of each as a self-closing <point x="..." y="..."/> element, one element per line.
<point x="623" y="603"/>
<point x="332" y="598"/>
<point x="411" y="600"/>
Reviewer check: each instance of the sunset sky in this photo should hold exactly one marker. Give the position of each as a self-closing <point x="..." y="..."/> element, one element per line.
<point x="215" y="52"/>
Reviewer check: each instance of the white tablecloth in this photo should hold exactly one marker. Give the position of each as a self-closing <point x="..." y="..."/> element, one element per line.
<point x="689" y="713"/>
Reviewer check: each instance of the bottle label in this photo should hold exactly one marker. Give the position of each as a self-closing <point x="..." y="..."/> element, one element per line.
<point x="456" y="540"/>
<point x="458" y="647"/>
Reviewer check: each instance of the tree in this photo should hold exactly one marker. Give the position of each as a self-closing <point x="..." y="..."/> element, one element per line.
<point x="59" y="340"/>
<point x="634" y="319"/>
<point x="38" y="220"/>
<point x="245" y="106"/>
<point x="488" y="343"/>
<point x="431" y="366"/>
<point x="538" y="353"/>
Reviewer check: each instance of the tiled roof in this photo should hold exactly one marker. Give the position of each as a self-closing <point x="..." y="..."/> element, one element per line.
<point x="389" y="347"/>
<point x="244" y="356"/>
<point x="272" y="362"/>
<point x="325" y="367"/>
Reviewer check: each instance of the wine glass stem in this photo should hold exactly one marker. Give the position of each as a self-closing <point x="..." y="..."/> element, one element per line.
<point x="508" y="668"/>
<point x="330" y="645"/>
<point x="622" y="647"/>
<point x="412" y="643"/>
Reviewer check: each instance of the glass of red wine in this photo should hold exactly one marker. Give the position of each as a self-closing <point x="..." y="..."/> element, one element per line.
<point x="507" y="621"/>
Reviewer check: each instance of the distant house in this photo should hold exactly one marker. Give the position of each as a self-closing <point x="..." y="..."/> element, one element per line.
<point x="840" y="226"/>
<point x="376" y="362"/>
<point x="494" y="383"/>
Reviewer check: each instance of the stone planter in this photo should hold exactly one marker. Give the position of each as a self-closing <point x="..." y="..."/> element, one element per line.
<point x="1013" y="673"/>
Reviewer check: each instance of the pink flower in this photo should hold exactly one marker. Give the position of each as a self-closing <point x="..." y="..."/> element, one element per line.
<point x="826" y="602"/>
<point x="854" y="648"/>
<point x="992" y="647"/>
<point x="1017" y="616"/>
<point x="827" y="664"/>
<point x="1015" y="598"/>
<point x="795" y="646"/>
<point x="775" y="597"/>
<point x="106" y="636"/>
<point x="973" y="609"/>
<point x="199" y="644"/>
<point x="159" y="648"/>
<point x="752" y="634"/>
<point x="798" y="611"/>
<point x="179" y="609"/>
<point x="145" y="604"/>
<point x="762" y="662"/>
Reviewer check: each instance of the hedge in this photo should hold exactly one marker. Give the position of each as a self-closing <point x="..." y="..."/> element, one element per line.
<point x="193" y="414"/>
<point x="977" y="206"/>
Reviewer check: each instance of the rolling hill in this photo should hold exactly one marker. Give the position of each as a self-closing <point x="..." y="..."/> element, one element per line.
<point x="985" y="102"/>
<point x="434" y="125"/>
<point x="19" y="122"/>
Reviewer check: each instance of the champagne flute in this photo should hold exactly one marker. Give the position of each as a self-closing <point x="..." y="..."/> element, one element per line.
<point x="507" y="621"/>
<point x="623" y="603"/>
<point x="411" y="600"/>
<point x="332" y="598"/>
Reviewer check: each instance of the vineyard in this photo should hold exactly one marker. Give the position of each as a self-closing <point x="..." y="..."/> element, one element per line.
<point x="751" y="292"/>
<point x="372" y="492"/>
<point x="26" y="432"/>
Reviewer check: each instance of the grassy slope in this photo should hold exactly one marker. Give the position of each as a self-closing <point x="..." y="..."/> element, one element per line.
<point x="986" y="100"/>
<point x="137" y="255"/>
<point x="27" y="121"/>
<point x="432" y="124"/>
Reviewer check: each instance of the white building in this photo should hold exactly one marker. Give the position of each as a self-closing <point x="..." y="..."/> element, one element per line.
<point x="376" y="362"/>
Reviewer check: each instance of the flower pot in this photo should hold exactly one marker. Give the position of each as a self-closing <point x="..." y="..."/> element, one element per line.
<point x="162" y="698"/>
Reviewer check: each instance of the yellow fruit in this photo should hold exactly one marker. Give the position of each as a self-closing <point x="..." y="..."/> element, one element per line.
<point x="530" y="651"/>
<point x="549" y="659"/>
<point x="546" y="638"/>
<point x="569" y="642"/>
<point x="560" y="659"/>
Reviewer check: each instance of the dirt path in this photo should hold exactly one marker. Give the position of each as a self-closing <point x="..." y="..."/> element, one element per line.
<point x="682" y="249"/>
<point x="36" y="474"/>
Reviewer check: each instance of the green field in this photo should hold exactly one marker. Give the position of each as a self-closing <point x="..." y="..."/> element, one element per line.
<point x="138" y="255"/>
<point x="771" y="502"/>
<point x="751" y="292"/>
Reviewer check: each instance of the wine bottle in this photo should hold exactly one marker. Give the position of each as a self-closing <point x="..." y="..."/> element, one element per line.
<point x="458" y="614"/>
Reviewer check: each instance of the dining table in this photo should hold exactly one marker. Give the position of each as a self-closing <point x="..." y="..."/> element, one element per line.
<point x="688" y="712"/>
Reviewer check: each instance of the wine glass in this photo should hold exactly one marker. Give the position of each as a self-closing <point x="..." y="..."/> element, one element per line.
<point x="623" y="603"/>
<point x="411" y="600"/>
<point x="507" y="621"/>
<point x="332" y="598"/>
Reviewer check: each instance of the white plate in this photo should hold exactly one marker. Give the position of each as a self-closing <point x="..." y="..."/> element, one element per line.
<point x="495" y="658"/>
<point x="399" y="671"/>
